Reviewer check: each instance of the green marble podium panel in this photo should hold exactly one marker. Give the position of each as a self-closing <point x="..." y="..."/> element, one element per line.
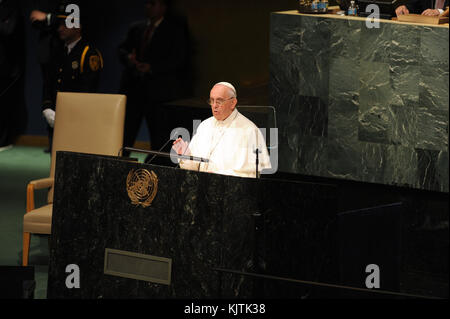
<point x="197" y="223"/>
<point x="359" y="103"/>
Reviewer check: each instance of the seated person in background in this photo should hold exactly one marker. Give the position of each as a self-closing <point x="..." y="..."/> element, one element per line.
<point x="424" y="7"/>
<point x="227" y="139"/>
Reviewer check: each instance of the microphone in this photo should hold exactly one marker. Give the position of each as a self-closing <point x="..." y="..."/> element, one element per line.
<point x="185" y="157"/>
<point x="257" y="162"/>
<point x="169" y="155"/>
<point x="148" y="162"/>
<point x="11" y="84"/>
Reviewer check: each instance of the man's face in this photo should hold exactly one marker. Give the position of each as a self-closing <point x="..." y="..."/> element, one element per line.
<point x="68" y="34"/>
<point x="155" y="9"/>
<point x="222" y="102"/>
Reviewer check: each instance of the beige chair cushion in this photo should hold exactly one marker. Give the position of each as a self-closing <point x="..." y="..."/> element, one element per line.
<point x="38" y="221"/>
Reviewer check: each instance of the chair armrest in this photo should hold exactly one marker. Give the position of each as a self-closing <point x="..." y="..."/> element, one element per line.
<point x="42" y="183"/>
<point x="34" y="185"/>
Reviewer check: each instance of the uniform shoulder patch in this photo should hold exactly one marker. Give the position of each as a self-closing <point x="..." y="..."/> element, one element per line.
<point x="94" y="62"/>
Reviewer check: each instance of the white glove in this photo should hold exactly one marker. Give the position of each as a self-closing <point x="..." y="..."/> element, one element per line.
<point x="49" y="115"/>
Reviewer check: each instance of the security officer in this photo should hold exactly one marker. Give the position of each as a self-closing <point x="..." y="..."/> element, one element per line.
<point x="76" y="68"/>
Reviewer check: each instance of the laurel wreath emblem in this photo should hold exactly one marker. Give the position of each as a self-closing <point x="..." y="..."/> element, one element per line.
<point x="142" y="187"/>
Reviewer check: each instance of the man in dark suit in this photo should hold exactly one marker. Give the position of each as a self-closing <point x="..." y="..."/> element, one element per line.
<point x="154" y="56"/>
<point x="13" y="115"/>
<point x="44" y="18"/>
<point x="76" y="68"/>
<point x="424" y="7"/>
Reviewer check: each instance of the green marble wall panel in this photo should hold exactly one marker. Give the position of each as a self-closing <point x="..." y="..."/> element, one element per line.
<point x="361" y="104"/>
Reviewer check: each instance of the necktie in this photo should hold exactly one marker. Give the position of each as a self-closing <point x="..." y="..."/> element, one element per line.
<point x="439" y="4"/>
<point x="146" y="39"/>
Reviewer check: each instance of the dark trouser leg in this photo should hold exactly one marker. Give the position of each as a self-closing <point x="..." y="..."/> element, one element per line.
<point x="13" y="115"/>
<point x="159" y="130"/>
<point x="3" y="122"/>
<point x="153" y="119"/>
<point x="133" y="119"/>
<point x="45" y="72"/>
<point x="50" y="139"/>
<point x="19" y="112"/>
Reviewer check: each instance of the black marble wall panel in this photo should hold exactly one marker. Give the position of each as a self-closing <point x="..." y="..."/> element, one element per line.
<point x="201" y="221"/>
<point x="292" y="241"/>
<point x="383" y="92"/>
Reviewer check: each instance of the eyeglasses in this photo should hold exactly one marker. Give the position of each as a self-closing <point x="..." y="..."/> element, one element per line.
<point x="219" y="102"/>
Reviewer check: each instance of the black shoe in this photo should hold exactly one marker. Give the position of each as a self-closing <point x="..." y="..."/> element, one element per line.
<point x="47" y="150"/>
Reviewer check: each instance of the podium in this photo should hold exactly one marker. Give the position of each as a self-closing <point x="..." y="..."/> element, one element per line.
<point x="175" y="238"/>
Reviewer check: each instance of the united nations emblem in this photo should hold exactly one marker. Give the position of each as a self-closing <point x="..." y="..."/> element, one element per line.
<point x="142" y="187"/>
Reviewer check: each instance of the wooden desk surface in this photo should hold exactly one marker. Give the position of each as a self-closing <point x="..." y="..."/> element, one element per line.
<point x="336" y="16"/>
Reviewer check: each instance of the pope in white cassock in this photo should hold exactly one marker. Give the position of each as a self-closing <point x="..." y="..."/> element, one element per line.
<point x="227" y="139"/>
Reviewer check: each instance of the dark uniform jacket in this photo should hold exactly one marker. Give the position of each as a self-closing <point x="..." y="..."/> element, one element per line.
<point x="77" y="72"/>
<point x="166" y="54"/>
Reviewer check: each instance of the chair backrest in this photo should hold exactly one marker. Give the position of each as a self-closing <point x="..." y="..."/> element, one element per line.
<point x="264" y="117"/>
<point x="88" y="123"/>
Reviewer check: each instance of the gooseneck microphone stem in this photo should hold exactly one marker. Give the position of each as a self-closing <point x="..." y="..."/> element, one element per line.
<point x="257" y="162"/>
<point x="183" y="157"/>
<point x="148" y="162"/>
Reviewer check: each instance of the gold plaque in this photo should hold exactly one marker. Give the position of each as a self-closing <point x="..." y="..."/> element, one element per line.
<point x="142" y="187"/>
